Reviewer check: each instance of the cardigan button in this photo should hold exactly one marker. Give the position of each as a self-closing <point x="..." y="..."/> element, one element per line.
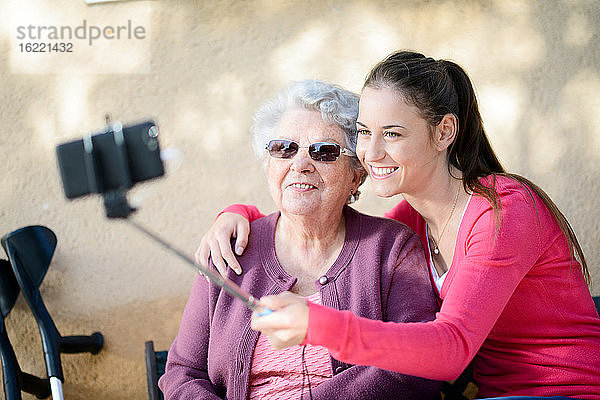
<point x="323" y="280"/>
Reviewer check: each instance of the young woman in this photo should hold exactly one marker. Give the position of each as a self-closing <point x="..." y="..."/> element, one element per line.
<point x="502" y="256"/>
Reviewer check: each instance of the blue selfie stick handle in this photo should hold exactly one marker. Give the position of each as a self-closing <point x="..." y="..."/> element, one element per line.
<point x="265" y="311"/>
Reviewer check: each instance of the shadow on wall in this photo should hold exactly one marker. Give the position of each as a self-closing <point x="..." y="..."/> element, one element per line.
<point x="534" y="65"/>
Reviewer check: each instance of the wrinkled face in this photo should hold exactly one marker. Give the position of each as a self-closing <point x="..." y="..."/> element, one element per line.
<point x="301" y="185"/>
<point x="394" y="144"/>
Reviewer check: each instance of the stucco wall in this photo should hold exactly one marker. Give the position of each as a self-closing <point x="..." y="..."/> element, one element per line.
<point x="535" y="65"/>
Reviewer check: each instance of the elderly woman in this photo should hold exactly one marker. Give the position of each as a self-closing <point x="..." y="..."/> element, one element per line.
<point x="315" y="246"/>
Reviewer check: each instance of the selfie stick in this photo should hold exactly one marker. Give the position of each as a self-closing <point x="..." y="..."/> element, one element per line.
<point x="229" y="286"/>
<point x="114" y="192"/>
<point x="117" y="206"/>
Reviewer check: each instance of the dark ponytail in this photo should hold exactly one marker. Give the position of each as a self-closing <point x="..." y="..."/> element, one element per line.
<point x="440" y="87"/>
<point x="471" y="152"/>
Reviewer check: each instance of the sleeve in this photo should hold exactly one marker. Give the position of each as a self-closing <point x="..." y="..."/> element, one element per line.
<point x="251" y="213"/>
<point x="493" y="265"/>
<point x="186" y="372"/>
<point x="407" y="297"/>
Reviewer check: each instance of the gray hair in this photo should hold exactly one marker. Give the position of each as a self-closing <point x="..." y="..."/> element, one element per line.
<point x="337" y="106"/>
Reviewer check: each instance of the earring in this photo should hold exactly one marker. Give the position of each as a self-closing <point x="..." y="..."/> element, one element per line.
<point x="352" y="198"/>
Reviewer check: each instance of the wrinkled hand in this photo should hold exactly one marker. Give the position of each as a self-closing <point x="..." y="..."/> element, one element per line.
<point x="216" y="242"/>
<point x="288" y="324"/>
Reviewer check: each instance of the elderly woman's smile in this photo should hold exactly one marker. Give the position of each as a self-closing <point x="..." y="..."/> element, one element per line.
<point x="302" y="186"/>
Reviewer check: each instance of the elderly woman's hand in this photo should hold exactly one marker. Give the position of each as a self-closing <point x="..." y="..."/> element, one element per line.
<point x="216" y="243"/>
<point x="288" y="324"/>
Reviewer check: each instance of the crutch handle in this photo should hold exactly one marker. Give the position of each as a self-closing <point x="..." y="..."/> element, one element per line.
<point x="34" y="385"/>
<point x="82" y="344"/>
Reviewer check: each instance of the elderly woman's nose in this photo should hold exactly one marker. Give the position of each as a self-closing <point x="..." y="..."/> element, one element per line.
<point x="302" y="162"/>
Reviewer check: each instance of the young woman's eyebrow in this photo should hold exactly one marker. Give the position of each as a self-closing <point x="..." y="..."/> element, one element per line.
<point x="383" y="127"/>
<point x="393" y="126"/>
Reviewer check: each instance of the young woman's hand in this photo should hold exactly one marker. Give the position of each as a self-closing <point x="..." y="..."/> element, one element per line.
<point x="288" y="323"/>
<point x="216" y="243"/>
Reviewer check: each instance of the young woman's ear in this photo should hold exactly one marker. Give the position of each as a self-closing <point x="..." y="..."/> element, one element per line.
<point x="445" y="132"/>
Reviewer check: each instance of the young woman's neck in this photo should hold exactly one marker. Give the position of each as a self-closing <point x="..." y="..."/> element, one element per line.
<point x="440" y="198"/>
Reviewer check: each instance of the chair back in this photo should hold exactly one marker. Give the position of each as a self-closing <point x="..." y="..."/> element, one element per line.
<point x="155" y="368"/>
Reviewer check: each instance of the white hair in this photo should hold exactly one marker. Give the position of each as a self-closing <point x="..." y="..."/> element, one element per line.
<point x="337" y="105"/>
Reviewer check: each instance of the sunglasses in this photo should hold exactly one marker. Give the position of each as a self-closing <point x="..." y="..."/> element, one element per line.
<point x="321" y="151"/>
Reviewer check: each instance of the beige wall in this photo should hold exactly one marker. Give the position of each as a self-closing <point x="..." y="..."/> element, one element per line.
<point x="535" y="65"/>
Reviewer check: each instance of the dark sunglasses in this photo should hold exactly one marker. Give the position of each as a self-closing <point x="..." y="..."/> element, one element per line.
<point x="321" y="151"/>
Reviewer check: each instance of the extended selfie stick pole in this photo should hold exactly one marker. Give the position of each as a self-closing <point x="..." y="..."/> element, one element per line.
<point x="117" y="207"/>
<point x="231" y="288"/>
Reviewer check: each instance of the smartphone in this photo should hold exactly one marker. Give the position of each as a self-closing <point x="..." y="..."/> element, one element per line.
<point x="115" y="159"/>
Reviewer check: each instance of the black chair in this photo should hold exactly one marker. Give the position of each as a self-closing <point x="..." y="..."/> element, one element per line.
<point x="30" y="250"/>
<point x="462" y="388"/>
<point x="14" y="380"/>
<point x="155" y="368"/>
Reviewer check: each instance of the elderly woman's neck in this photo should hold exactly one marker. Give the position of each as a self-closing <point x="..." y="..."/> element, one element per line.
<point x="310" y="233"/>
<point x="307" y="247"/>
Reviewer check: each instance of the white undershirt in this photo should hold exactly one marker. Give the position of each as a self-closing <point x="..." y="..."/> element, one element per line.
<point x="437" y="279"/>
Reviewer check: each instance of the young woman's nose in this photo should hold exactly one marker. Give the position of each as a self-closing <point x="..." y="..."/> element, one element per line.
<point x="374" y="148"/>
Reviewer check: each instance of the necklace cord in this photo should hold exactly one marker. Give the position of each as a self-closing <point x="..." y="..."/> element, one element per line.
<point x="436" y="249"/>
<point x="305" y="375"/>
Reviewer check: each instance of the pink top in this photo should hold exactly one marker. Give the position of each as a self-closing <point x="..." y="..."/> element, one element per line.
<point x="278" y="374"/>
<point x="512" y="302"/>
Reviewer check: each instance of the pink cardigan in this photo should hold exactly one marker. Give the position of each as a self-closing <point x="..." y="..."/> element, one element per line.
<point x="512" y="302"/>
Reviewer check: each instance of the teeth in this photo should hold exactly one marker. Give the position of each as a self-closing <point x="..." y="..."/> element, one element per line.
<point x="303" y="186"/>
<point x="382" y="171"/>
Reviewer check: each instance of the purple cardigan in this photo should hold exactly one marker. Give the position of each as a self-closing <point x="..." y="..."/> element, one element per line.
<point x="380" y="274"/>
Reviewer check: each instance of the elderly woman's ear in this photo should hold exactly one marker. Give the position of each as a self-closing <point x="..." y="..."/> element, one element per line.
<point x="359" y="178"/>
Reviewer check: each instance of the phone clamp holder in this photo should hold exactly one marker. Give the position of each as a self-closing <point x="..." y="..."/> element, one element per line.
<point x="116" y="204"/>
